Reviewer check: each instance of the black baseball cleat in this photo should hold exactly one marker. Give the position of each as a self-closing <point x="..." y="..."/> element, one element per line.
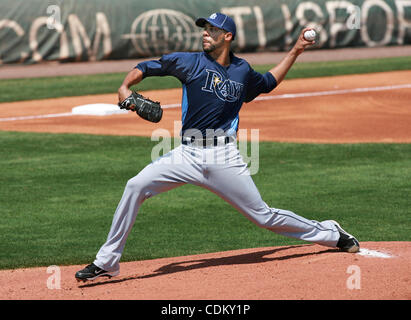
<point x="347" y="242"/>
<point x="92" y="272"/>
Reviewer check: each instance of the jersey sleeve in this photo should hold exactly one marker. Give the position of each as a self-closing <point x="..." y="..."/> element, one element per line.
<point x="259" y="83"/>
<point x="177" y="64"/>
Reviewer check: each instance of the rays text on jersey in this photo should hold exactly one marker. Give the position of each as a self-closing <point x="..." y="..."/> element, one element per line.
<point x="225" y="89"/>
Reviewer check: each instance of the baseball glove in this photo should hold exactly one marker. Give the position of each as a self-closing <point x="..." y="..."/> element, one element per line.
<point x="144" y="107"/>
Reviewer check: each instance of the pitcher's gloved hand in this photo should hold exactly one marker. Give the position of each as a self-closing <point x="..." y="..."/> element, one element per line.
<point x="144" y="107"/>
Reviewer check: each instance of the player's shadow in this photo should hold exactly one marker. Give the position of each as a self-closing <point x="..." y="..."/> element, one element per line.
<point x="246" y="258"/>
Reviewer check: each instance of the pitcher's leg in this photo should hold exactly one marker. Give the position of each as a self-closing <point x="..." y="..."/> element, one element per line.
<point x="167" y="172"/>
<point x="143" y="186"/>
<point x="290" y="224"/>
<point x="240" y="191"/>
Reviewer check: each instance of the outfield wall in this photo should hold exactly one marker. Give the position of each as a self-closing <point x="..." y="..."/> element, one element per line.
<point x="89" y="30"/>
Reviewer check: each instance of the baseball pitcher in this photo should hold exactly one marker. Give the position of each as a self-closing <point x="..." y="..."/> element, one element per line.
<point x="215" y="85"/>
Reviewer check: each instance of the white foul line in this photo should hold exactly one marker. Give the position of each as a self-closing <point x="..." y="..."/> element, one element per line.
<point x="334" y="92"/>
<point x="276" y="97"/>
<point x="42" y="116"/>
<point x="318" y="93"/>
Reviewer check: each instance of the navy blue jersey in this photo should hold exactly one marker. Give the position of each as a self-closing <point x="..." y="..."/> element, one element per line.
<point x="212" y="94"/>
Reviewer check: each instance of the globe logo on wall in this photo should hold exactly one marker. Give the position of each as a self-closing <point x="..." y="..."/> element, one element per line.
<point x="161" y="31"/>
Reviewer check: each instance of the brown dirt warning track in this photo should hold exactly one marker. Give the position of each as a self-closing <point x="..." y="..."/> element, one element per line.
<point x="342" y="109"/>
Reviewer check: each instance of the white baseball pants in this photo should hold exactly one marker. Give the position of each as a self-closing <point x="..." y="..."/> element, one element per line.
<point x="219" y="169"/>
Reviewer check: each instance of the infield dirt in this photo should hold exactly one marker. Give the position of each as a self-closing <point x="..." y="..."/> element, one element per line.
<point x="308" y="272"/>
<point x="297" y="111"/>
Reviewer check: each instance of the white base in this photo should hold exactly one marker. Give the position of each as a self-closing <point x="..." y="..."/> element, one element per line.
<point x="373" y="253"/>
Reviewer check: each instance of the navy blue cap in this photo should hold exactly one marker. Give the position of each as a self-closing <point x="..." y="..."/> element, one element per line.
<point x="219" y="20"/>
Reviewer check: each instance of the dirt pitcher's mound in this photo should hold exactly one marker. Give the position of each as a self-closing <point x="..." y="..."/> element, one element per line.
<point x="379" y="271"/>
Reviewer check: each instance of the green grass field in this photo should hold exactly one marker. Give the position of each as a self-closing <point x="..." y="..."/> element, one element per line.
<point x="58" y="192"/>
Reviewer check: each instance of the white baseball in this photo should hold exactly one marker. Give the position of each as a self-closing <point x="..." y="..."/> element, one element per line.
<point x="309" y="35"/>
